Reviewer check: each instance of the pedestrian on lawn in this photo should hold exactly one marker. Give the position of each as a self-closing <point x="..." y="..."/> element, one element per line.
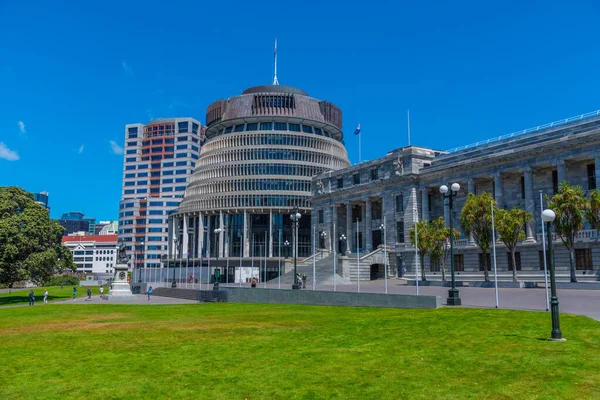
<point x="74" y="293"/>
<point x="149" y="293"/>
<point x="89" y="294"/>
<point x="46" y="296"/>
<point x="101" y="292"/>
<point x="31" y="298"/>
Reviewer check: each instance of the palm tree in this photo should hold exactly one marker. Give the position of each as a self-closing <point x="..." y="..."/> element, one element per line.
<point x="510" y="225"/>
<point x="476" y="220"/>
<point x="424" y="242"/>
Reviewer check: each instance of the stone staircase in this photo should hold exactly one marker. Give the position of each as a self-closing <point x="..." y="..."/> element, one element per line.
<point x="323" y="271"/>
<point x="186" y="294"/>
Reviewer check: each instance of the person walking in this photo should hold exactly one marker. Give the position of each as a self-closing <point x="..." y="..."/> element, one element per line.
<point x="101" y="292"/>
<point x="89" y="294"/>
<point x="31" y="298"/>
<point x="149" y="293"/>
<point x="74" y="293"/>
<point x="46" y="296"/>
<point x="253" y="282"/>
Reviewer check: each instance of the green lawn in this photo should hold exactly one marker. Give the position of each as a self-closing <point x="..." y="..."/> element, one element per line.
<point x="21" y="296"/>
<point x="243" y="351"/>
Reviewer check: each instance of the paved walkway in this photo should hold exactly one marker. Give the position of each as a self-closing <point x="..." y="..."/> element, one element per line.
<point x="139" y="299"/>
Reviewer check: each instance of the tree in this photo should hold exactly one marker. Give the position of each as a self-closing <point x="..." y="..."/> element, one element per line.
<point x="440" y="248"/>
<point x="30" y="242"/>
<point x="593" y="212"/>
<point x="476" y="220"/>
<point x="424" y="242"/>
<point x="510" y="225"/>
<point x="570" y="206"/>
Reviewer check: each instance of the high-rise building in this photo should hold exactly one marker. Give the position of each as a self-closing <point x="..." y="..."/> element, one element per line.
<point x="42" y="199"/>
<point x="74" y="222"/>
<point x="158" y="160"/>
<point x="262" y="149"/>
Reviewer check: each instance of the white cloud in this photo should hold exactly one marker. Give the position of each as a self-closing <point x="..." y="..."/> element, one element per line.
<point x="115" y="148"/>
<point x="7" y="153"/>
<point x="80" y="149"/>
<point x="127" y="67"/>
<point x="21" y="126"/>
<point x="150" y="116"/>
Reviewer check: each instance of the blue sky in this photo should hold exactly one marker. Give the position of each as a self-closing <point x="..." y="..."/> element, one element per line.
<point x="72" y="75"/>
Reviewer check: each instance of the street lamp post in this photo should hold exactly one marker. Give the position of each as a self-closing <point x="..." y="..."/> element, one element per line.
<point x="385" y="271"/>
<point x="174" y="284"/>
<point x="453" y="295"/>
<point x="324" y="236"/>
<point x="295" y="217"/>
<point x="548" y="216"/>
<point x="343" y="240"/>
<point x="286" y="244"/>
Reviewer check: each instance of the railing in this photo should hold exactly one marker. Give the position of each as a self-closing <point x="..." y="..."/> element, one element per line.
<point x="461" y="242"/>
<point x="523" y="132"/>
<point x="585" y="235"/>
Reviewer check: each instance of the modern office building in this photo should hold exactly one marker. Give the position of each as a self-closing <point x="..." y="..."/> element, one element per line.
<point x="93" y="254"/>
<point x="158" y="160"/>
<point x="403" y="186"/>
<point x="75" y="222"/>
<point x="107" y="228"/>
<point x="263" y="148"/>
<point x="42" y="199"/>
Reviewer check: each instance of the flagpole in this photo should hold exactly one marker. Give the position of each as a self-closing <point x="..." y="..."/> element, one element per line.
<point x="417" y="250"/>
<point x="359" y="148"/>
<point x="314" y="257"/>
<point x="357" y="259"/>
<point x="334" y="237"/>
<point x="544" y="249"/>
<point x="408" y="114"/>
<point x="494" y="250"/>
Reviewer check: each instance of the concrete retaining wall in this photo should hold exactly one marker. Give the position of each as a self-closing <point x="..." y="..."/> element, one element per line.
<point x="309" y="297"/>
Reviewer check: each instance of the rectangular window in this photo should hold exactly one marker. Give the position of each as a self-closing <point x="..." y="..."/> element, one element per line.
<point x="375" y="174"/>
<point x="130" y="159"/>
<point x="181" y="155"/>
<point x="167" y="172"/>
<point x="155" y="221"/>
<point x="142" y="182"/>
<point x="180" y="172"/>
<point x="132" y="132"/>
<point x="194" y="127"/>
<point x="266" y="126"/>
<point x="400" y="231"/>
<point x="156" y="204"/>
<point x="583" y="259"/>
<point x="228" y="129"/>
<point x="459" y="262"/>
<point x="131" y="151"/>
<point x="554" y="182"/>
<point x="181" y="146"/>
<point x="399" y="203"/>
<point x="129" y="183"/>
<point x="238" y="128"/>
<point x="294" y="127"/>
<point x="356" y="179"/>
<point x="180" y="188"/>
<point x="522" y="187"/>
<point x="182" y="126"/>
<point x="142" y="174"/>
<point x="167" y="189"/>
<point x="591" y="176"/>
<point x="129" y="175"/>
<point x="318" y="131"/>
<point x="340" y="183"/>
<point x="129" y="167"/>
<point x="488" y="258"/>
<point x="180" y="180"/>
<point x="157" y="141"/>
<point x="172" y="204"/>
<point x="168" y="164"/>
<point x="517" y="261"/>
<point x="167" y="181"/>
<point x="143" y="166"/>
<point x="435" y="265"/>
<point x="306" y="129"/>
<point x="134" y="143"/>
<point x="280" y="126"/>
<point x="129" y="191"/>
<point x="321" y="216"/>
<point x="252" y="126"/>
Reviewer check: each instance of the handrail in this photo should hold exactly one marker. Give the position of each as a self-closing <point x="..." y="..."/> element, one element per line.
<point x="528" y="130"/>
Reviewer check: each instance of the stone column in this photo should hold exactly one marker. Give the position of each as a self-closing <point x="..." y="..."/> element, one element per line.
<point x="597" y="170"/>
<point x="200" y="234"/>
<point x="425" y="204"/>
<point x="245" y="244"/>
<point x="411" y="214"/>
<point x="221" y="233"/>
<point x="498" y="188"/>
<point x="368" y="214"/>
<point x="270" y="233"/>
<point x="561" y="171"/>
<point x="185" y="244"/>
<point x="470" y="189"/>
<point x="349" y="225"/>
<point x="529" y="204"/>
<point x="170" y="238"/>
<point x="226" y="234"/>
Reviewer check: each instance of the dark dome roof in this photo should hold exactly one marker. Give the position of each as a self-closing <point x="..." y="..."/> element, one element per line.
<point x="275" y="89"/>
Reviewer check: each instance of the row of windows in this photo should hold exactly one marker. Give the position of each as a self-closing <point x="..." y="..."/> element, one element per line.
<point x="243" y="185"/>
<point x="258" y="200"/>
<point x="256" y="169"/>
<point x="271" y="154"/>
<point x="156" y="190"/>
<point x="374" y="173"/>
<point x="277" y="126"/>
<point x="273" y="139"/>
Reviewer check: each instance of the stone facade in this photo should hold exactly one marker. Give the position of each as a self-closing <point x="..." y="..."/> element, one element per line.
<point x="403" y="186"/>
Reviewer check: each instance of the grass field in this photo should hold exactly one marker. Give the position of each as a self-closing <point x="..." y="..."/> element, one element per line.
<point x="21" y="296"/>
<point x="243" y="351"/>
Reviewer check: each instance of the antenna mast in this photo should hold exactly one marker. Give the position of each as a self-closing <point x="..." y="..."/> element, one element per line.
<point x="408" y="114"/>
<point x="275" y="81"/>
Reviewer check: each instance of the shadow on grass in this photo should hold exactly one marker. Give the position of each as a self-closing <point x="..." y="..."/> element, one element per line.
<point x="24" y="299"/>
<point x="526" y="337"/>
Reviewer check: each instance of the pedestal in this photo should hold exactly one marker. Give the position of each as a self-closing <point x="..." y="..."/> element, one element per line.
<point x="120" y="287"/>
